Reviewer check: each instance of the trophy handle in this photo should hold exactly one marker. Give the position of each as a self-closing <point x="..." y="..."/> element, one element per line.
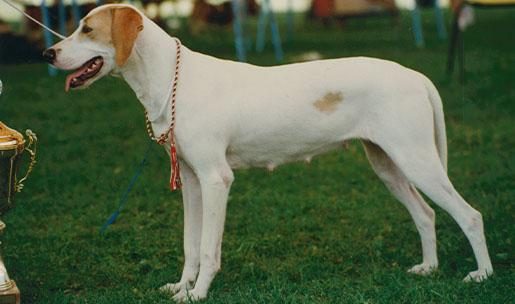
<point x="31" y="149"/>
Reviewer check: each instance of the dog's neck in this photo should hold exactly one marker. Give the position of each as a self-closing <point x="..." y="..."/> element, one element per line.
<point x="144" y="72"/>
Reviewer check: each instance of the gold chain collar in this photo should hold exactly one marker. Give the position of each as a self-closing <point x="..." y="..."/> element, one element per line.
<point x="169" y="132"/>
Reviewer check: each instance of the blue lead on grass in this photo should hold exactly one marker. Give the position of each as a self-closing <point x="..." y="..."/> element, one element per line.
<point x="125" y="196"/>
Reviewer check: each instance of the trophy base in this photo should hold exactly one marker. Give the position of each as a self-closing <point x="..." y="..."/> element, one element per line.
<point x="11" y="294"/>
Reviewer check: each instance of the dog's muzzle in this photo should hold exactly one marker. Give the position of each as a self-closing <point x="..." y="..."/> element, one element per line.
<point x="49" y="55"/>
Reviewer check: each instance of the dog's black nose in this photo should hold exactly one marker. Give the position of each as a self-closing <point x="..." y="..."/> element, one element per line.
<point x="49" y="55"/>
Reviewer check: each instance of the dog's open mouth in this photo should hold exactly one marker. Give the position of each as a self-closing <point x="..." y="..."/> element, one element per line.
<point x="85" y="72"/>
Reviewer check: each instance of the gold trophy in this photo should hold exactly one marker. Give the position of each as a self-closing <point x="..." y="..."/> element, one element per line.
<point x="12" y="147"/>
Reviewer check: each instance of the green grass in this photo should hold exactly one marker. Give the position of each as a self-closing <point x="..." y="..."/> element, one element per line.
<point x="324" y="233"/>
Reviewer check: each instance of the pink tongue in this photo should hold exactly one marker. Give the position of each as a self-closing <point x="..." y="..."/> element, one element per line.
<point x="74" y="75"/>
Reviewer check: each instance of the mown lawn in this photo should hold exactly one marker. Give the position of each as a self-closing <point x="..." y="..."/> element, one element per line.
<point x="324" y="233"/>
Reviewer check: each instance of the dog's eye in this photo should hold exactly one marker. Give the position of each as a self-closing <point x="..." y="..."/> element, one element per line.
<point x="86" y="29"/>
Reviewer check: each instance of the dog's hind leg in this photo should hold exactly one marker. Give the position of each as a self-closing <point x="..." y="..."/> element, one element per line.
<point x="405" y="192"/>
<point x="423" y="167"/>
<point x="192" y="201"/>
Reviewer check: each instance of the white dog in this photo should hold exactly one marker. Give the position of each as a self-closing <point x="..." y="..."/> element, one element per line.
<point x="235" y="115"/>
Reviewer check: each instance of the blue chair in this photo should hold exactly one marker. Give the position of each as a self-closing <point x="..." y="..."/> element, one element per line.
<point x="417" y="23"/>
<point x="266" y="16"/>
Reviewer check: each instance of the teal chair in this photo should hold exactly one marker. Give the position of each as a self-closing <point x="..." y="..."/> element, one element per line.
<point x="417" y="23"/>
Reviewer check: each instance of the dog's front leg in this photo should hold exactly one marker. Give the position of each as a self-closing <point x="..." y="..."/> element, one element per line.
<point x="192" y="201"/>
<point x="215" y="184"/>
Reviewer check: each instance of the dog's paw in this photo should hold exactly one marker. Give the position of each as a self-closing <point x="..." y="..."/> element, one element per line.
<point x="423" y="269"/>
<point x="187" y="296"/>
<point x="477" y="276"/>
<point x="173" y="288"/>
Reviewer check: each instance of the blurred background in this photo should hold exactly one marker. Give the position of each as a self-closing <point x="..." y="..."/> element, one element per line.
<point x="26" y="39"/>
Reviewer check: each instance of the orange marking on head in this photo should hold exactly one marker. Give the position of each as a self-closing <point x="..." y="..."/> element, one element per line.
<point x="125" y="27"/>
<point x="100" y="23"/>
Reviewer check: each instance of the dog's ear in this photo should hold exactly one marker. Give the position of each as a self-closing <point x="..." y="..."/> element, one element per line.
<point x="125" y="27"/>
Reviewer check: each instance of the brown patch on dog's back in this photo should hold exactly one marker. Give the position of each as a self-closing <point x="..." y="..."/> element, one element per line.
<point x="329" y="102"/>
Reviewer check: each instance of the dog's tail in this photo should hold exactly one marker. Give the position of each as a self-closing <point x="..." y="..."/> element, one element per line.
<point x="439" y="122"/>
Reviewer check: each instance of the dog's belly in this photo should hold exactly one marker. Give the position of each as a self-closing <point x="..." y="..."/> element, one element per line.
<point x="272" y="154"/>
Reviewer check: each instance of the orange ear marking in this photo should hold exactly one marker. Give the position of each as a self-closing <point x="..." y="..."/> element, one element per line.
<point x="126" y="25"/>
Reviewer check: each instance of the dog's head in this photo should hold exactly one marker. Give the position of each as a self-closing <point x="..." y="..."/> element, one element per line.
<point x="103" y="42"/>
